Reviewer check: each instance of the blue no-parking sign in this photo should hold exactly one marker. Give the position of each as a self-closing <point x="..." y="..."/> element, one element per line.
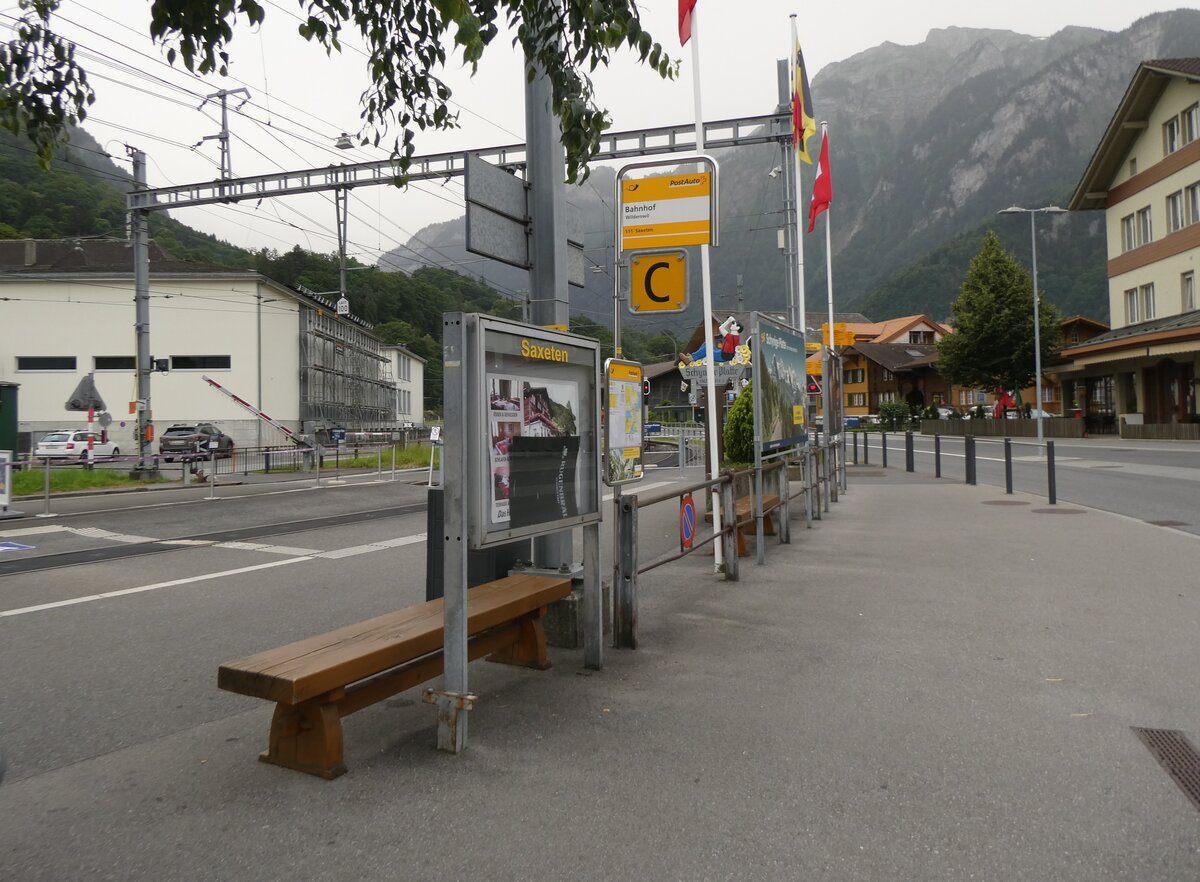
<point x="687" y="521"/>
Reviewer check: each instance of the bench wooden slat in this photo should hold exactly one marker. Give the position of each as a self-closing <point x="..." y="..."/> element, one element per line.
<point x="311" y="667"/>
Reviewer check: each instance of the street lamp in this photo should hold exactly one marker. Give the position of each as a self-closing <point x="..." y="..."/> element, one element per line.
<point x="1037" y="326"/>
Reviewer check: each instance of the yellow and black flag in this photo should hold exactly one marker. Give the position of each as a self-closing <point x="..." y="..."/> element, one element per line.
<point x="804" y="126"/>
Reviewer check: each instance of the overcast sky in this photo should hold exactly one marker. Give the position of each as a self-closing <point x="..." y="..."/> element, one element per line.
<point x="301" y="100"/>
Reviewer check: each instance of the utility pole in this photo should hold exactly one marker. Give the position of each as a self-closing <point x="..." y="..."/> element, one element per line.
<point x="223" y="135"/>
<point x="546" y="171"/>
<point x="139" y="226"/>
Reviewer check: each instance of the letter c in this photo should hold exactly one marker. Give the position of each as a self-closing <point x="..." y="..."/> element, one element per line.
<point x="662" y="264"/>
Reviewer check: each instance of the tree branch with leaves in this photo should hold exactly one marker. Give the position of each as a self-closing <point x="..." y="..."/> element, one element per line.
<point x="45" y="90"/>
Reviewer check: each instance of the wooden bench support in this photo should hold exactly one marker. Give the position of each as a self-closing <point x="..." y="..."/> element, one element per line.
<point x="375" y="660"/>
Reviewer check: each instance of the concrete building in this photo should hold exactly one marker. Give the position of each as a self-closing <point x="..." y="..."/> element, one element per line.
<point x="1145" y="176"/>
<point x="408" y="377"/>
<point x="67" y="310"/>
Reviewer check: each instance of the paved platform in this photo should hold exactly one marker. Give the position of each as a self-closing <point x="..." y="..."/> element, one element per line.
<point x="931" y="684"/>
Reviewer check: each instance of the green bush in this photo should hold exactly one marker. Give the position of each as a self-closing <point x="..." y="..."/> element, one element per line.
<point x="739" y="429"/>
<point x="894" y="416"/>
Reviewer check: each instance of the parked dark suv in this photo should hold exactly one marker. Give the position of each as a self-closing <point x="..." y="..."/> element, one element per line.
<point x="192" y="442"/>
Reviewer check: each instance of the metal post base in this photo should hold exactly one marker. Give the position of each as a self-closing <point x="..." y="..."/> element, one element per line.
<point x="452" y="717"/>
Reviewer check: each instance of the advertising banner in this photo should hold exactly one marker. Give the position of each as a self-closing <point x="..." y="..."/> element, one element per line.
<point x="781" y="384"/>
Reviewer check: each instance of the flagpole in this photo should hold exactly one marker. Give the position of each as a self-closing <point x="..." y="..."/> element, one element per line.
<point x="828" y="403"/>
<point x="801" y="315"/>
<point x="714" y="454"/>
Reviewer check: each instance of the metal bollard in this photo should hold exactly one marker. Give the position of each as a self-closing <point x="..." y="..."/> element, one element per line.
<point x="212" y="474"/>
<point x="867" y="448"/>
<point x="856" y="448"/>
<point x="909" y="464"/>
<point x="970" y="459"/>
<point x="937" y="456"/>
<point x="883" y="442"/>
<point x="1051" y="480"/>
<point x="46" y="490"/>
<point x="1008" y="466"/>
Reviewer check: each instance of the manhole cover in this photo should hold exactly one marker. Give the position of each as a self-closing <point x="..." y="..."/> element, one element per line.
<point x="1004" y="502"/>
<point x="1177" y="756"/>
<point x="1167" y="523"/>
<point x="1056" y="510"/>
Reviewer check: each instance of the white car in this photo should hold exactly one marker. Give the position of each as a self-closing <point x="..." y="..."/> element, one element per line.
<point x="72" y="444"/>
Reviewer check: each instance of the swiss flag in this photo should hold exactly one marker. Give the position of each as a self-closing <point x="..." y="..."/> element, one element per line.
<point x="822" y="192"/>
<point x="685" y="20"/>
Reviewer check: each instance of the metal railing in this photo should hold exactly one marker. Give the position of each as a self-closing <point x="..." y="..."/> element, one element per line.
<point x="629" y="566"/>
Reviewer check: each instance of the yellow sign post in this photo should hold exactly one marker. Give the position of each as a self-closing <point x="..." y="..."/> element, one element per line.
<point x="658" y="282"/>
<point x="666" y="211"/>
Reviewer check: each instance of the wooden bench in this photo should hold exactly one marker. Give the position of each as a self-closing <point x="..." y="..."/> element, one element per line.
<point x="743" y="509"/>
<point x="317" y="681"/>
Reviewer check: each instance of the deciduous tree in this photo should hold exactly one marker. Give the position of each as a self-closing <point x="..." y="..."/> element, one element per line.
<point x="43" y="88"/>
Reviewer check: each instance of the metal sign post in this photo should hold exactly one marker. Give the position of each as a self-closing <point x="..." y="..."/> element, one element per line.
<point x="674" y="210"/>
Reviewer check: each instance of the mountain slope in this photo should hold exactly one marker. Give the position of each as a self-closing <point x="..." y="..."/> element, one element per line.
<point x="928" y="142"/>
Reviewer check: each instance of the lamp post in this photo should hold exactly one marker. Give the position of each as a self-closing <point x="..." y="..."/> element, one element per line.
<point x="1037" y="326"/>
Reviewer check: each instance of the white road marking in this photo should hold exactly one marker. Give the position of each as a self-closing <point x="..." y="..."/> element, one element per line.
<point x="190" y="542"/>
<point x="33" y="531"/>
<point x="633" y="490"/>
<point x="154" y="587"/>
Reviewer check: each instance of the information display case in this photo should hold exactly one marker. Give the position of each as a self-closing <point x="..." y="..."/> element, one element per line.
<point x="533" y="420"/>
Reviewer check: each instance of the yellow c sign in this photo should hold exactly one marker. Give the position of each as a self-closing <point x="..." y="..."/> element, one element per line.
<point x="658" y="282"/>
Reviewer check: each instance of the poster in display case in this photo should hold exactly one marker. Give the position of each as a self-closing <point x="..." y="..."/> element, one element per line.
<point x="535" y="400"/>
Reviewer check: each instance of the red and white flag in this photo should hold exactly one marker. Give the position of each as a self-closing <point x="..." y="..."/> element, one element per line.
<point x="685" y="20"/>
<point x="822" y="191"/>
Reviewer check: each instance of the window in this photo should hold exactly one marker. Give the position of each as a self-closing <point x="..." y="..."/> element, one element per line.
<point x="405" y="367"/>
<point x="1133" y="167"/>
<point x="1175" y="215"/>
<point x="1131" y="306"/>
<point x="114" y="363"/>
<point x="1190" y="123"/>
<point x="201" y="362"/>
<point x="1049" y="394"/>
<point x="1145" y="230"/>
<point x="1192" y="194"/>
<point x="920" y="336"/>
<point x="887" y="375"/>
<point x="856" y="399"/>
<point x="885" y="397"/>
<point x="45" y="362"/>
<point x="857" y="375"/>
<point x="1171" y="132"/>
<point x="1148" y="301"/>
<point x="1187" y="291"/>
<point x="1128" y="233"/>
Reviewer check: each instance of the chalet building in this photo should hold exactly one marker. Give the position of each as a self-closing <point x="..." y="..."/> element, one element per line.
<point x="1145" y="176"/>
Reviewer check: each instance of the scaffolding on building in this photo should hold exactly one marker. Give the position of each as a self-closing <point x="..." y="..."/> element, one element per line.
<point x="345" y="381"/>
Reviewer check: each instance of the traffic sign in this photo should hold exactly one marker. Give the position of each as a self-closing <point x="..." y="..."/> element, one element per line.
<point x="337" y="435"/>
<point x="658" y="282"/>
<point x="687" y="521"/>
<point x="667" y="211"/>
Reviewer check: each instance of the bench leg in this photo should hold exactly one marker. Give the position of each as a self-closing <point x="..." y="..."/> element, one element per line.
<point x="529" y="650"/>
<point x="307" y="737"/>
